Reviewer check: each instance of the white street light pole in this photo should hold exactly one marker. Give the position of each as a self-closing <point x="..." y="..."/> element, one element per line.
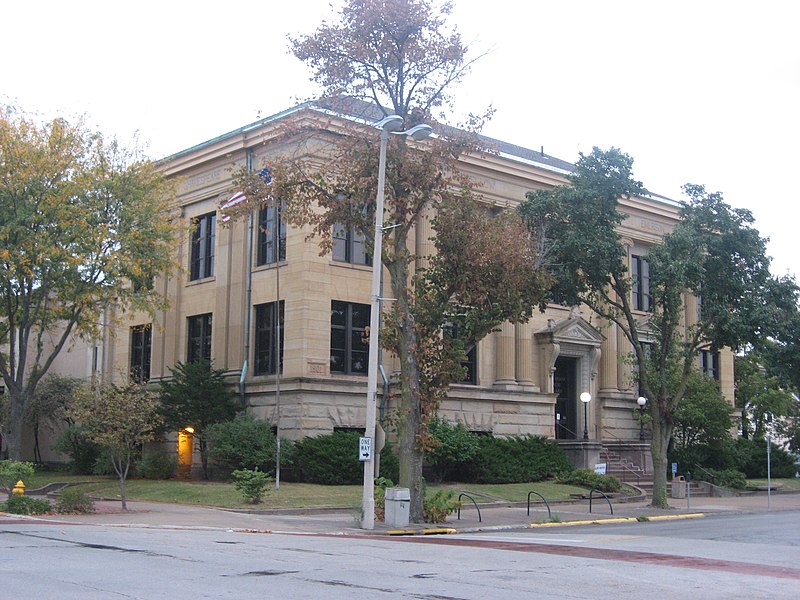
<point x="586" y="397"/>
<point x="390" y="124"/>
<point x="641" y="401"/>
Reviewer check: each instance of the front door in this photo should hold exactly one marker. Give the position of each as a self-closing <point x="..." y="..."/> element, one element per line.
<point x="565" y="387"/>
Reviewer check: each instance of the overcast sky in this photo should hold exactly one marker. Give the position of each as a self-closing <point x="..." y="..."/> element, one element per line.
<point x="697" y="91"/>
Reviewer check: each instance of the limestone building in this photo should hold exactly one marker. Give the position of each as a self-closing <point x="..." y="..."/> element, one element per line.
<point x="525" y="378"/>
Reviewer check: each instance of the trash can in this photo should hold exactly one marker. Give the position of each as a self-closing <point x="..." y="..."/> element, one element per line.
<point x="678" y="487"/>
<point x="397" y="507"/>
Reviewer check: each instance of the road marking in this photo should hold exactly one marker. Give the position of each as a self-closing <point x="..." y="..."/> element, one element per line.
<point x="630" y="556"/>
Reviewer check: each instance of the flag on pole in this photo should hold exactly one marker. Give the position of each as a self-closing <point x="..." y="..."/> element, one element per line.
<point x="266" y="176"/>
<point x="237" y="198"/>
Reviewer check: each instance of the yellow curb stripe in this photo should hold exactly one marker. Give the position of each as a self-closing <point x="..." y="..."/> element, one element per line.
<point x="593" y="522"/>
<point x="621" y="520"/>
<point x="439" y="531"/>
<point x="400" y="532"/>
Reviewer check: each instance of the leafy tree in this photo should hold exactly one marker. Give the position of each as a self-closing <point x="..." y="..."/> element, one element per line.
<point x="197" y="395"/>
<point x="713" y="252"/>
<point x="398" y="55"/>
<point x="760" y="396"/>
<point x="80" y="218"/>
<point x="118" y="418"/>
<point x="704" y="416"/>
<point x="49" y="404"/>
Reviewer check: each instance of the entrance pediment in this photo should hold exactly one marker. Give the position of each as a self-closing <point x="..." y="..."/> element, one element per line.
<point x="571" y="330"/>
<point x="569" y="337"/>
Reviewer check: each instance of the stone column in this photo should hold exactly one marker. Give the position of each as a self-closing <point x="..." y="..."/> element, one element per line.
<point x="536" y="361"/>
<point x="608" y="360"/>
<point x="505" y="356"/>
<point x="424" y="246"/>
<point x="524" y="355"/>
<point x="624" y="348"/>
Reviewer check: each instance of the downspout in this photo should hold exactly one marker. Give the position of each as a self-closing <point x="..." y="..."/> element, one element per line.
<point x="248" y="293"/>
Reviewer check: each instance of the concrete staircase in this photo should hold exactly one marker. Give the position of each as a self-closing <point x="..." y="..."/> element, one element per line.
<point x="625" y="470"/>
<point x="631" y="473"/>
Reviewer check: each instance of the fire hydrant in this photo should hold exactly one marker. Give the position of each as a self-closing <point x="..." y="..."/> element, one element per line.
<point x="19" y="489"/>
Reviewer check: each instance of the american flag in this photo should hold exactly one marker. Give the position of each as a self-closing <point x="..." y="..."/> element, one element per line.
<point x="266" y="176"/>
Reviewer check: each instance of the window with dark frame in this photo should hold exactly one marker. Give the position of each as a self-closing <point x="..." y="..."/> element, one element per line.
<point x="349" y="344"/>
<point x="141" y="348"/>
<point x="470" y="365"/>
<point x="349" y="246"/>
<point x="709" y="363"/>
<point x="199" y="327"/>
<point x="640" y="283"/>
<point x="268" y="327"/>
<point x="271" y="233"/>
<point x="202" y="255"/>
<point x="699" y="307"/>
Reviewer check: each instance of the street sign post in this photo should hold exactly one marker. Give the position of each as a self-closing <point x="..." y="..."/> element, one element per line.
<point x="365" y="449"/>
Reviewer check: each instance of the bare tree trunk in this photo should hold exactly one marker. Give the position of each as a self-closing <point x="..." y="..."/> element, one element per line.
<point x="13" y="437"/>
<point x="122" y="473"/>
<point x="662" y="431"/>
<point x="203" y="444"/>
<point x="37" y="453"/>
<point x="411" y="455"/>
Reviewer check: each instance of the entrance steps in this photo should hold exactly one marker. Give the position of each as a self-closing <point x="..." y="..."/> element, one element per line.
<point x="627" y="471"/>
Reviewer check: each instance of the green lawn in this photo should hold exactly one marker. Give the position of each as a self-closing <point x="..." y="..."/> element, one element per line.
<point x="291" y="495"/>
<point x="782" y="484"/>
<point x="306" y="495"/>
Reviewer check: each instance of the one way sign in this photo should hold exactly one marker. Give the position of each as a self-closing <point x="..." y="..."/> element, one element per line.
<point x="364" y="449"/>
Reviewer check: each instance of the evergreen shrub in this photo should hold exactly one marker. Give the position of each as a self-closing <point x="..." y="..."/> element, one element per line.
<point x="591" y="480"/>
<point x="519" y="459"/>
<point x="25" y="505"/>
<point x="751" y="459"/>
<point x="330" y="459"/>
<point x="453" y="448"/>
<point x="157" y="464"/>
<point x="730" y="478"/>
<point x="74" y="501"/>
<point x="243" y="443"/>
<point x="252" y="484"/>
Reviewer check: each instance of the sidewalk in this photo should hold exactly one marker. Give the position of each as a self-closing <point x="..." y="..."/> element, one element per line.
<point x="342" y="521"/>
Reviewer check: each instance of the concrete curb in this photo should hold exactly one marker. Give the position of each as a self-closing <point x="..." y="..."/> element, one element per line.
<point x="612" y="520"/>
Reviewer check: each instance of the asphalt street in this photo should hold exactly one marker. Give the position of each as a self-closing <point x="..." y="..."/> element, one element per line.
<point x="732" y="550"/>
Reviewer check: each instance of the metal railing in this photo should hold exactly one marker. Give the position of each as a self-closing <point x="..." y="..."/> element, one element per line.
<point x="628" y="445"/>
<point x="543" y="500"/>
<point x="473" y="502"/>
<point x="591" y="494"/>
<point x="712" y="478"/>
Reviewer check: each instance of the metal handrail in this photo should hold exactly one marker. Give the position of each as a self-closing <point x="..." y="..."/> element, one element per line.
<point x="627" y="469"/>
<point x="628" y="445"/>
<point x="543" y="500"/>
<point x="591" y="494"/>
<point x="473" y="501"/>
<point x="706" y="471"/>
